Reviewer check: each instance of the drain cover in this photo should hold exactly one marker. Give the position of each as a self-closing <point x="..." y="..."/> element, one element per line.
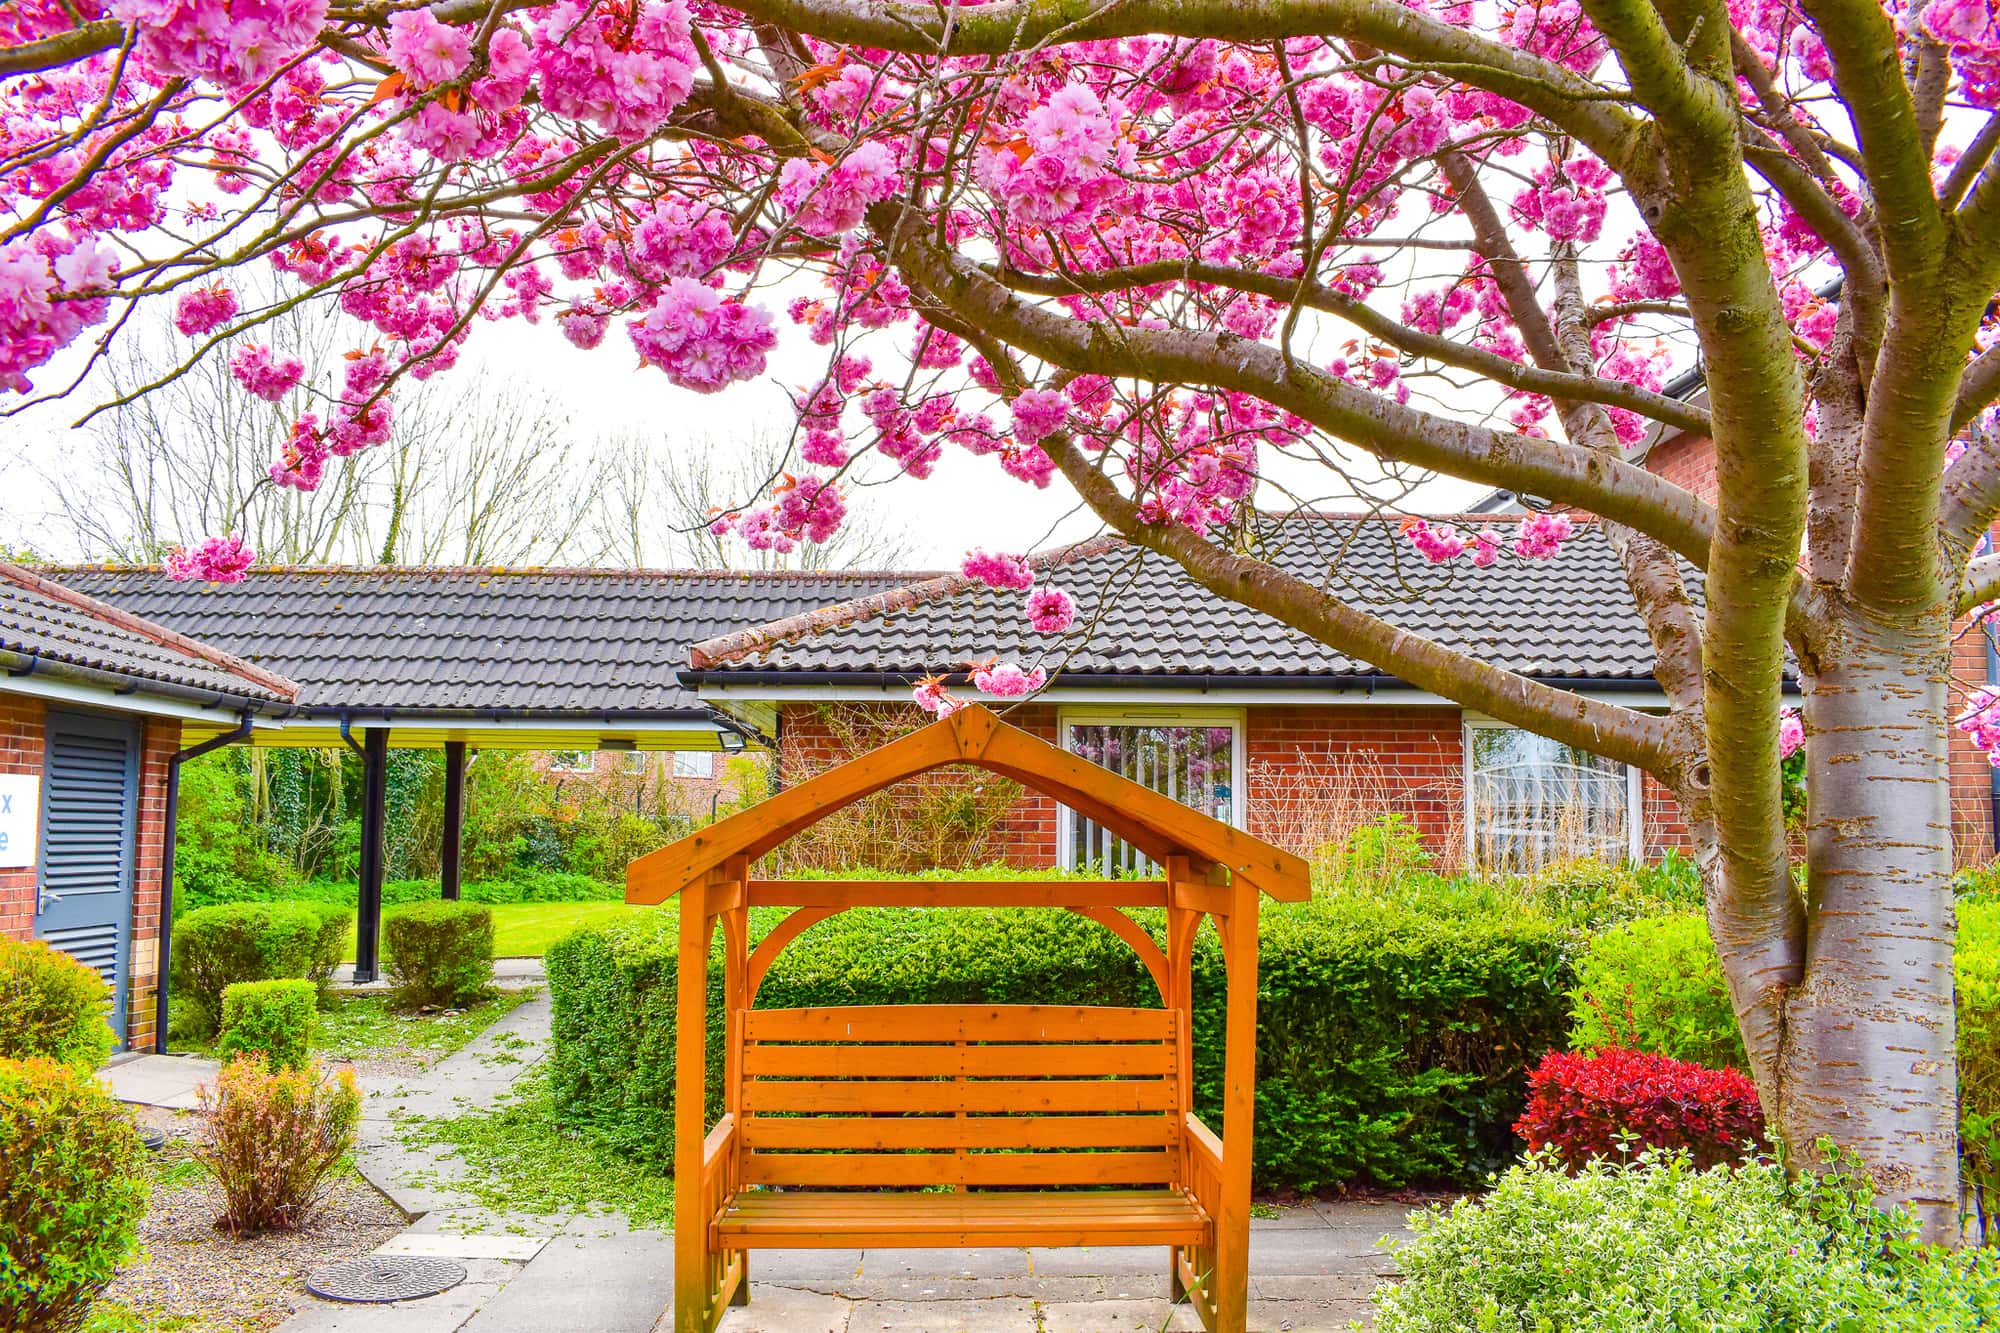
<point x="154" y="1139"/>
<point x="376" y="1279"/>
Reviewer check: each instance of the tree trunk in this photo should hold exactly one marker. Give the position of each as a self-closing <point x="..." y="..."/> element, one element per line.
<point x="1869" y="1049"/>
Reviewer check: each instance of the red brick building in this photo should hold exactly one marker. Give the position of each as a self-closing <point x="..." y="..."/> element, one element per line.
<point x="92" y="704"/>
<point x="1237" y="714"/>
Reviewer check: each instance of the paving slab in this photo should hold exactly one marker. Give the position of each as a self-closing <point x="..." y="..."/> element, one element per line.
<point x="1307" y="1316"/>
<point x="1155" y="1316"/>
<point x="796" y="1266"/>
<point x="457" y="1245"/>
<point x="781" y="1310"/>
<point x="992" y="1315"/>
<point x="1290" y="1217"/>
<point x="1100" y="1261"/>
<point x="168" y="1081"/>
<point x="611" y="1285"/>
<point x="944" y="1263"/>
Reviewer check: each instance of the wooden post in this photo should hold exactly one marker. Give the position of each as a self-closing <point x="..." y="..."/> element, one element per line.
<point x="736" y="999"/>
<point x="1239" y="1109"/>
<point x="454" y="818"/>
<point x="374" y="815"/>
<point x="690" y="1098"/>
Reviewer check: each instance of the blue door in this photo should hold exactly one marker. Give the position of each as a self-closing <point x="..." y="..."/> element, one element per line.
<point x="90" y="813"/>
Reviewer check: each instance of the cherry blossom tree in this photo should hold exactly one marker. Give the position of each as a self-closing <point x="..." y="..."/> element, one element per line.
<point x="1170" y="252"/>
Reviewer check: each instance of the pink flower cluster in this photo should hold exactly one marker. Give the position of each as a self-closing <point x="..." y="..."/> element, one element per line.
<point x="701" y="341"/>
<point x="205" y="309"/>
<point x="42" y="309"/>
<point x="1445" y="543"/>
<point x="214" y="560"/>
<point x="934" y="696"/>
<point x="426" y="51"/>
<point x="999" y="571"/>
<point x="828" y="200"/>
<point x="1007" y="680"/>
<point x="1051" y="610"/>
<point x="1038" y="414"/>
<point x="1791" y="732"/>
<point x="1066" y="163"/>
<point x="1541" y="536"/>
<point x="1972" y="37"/>
<point x="234" y="43"/>
<point x="1566" y="201"/>
<point x="264" y="376"/>
<point x="1981" y="722"/>
<point x="621" y="64"/>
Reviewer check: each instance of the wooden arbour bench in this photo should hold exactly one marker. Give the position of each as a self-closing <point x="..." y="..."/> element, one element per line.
<point x="1051" y="1125"/>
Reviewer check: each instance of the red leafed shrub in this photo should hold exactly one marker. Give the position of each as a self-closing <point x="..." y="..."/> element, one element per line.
<point x="1612" y="1102"/>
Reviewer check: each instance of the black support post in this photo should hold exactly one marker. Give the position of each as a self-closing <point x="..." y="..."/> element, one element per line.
<point x="454" y="817"/>
<point x="374" y="814"/>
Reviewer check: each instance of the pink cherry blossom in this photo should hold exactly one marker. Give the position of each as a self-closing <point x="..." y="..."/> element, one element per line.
<point x="999" y="571"/>
<point x="1008" y="681"/>
<point x="213" y="560"/>
<point x="1541" y="536"/>
<point x="426" y="51"/>
<point x="1051" y="610"/>
<point x="829" y="200"/>
<point x="263" y="375"/>
<point x="933" y="696"/>
<point x="1791" y="732"/>
<point x="205" y="309"/>
<point x="1038" y="414"/>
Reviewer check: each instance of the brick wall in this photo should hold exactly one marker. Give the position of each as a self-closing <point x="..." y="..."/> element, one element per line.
<point x="1312" y="773"/>
<point x="21" y="751"/>
<point x="656" y="788"/>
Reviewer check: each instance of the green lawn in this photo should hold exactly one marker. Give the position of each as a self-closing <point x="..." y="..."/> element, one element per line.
<point x="526" y="930"/>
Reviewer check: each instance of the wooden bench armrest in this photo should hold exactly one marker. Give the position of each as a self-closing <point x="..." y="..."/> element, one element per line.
<point x="1204" y="1163"/>
<point x="719" y="1168"/>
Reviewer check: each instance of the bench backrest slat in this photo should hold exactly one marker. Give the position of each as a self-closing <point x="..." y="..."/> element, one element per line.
<point x="971" y="1095"/>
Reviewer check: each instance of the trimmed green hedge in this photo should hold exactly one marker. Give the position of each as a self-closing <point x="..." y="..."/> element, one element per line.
<point x="1393" y="1047"/>
<point x="216" y="947"/>
<point x="273" y="1019"/>
<point x="527" y="886"/>
<point x="440" y="954"/>
<point x="52" y="1007"/>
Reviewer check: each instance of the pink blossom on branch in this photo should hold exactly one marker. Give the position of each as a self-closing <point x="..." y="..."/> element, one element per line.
<point x="263" y="375"/>
<point x="1541" y="536"/>
<point x="213" y="560"/>
<point x="1791" y="732"/>
<point x="205" y="309"/>
<point x="1008" y="681"/>
<point x="1000" y="571"/>
<point x="426" y="51"/>
<point x="1051" y="610"/>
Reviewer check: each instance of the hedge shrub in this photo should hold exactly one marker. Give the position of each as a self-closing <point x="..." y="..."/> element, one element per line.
<point x="519" y="886"/>
<point x="52" y="1007"/>
<point x="1656" y="985"/>
<point x="273" y="1019"/>
<point x="439" y="954"/>
<point x="1663" y="1247"/>
<point x="1392" y="1047"/>
<point x="1978" y="968"/>
<point x="72" y="1189"/>
<point x="216" y="947"/>
<point x="1614" y="1102"/>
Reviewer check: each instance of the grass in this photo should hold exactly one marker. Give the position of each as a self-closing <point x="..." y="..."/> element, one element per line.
<point x="526" y="930"/>
<point x="359" y="1025"/>
<point x="522" y="1161"/>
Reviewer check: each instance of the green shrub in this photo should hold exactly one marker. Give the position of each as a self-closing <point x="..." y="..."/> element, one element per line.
<point x="333" y="922"/>
<point x="273" y="1019"/>
<point x="520" y="886"/>
<point x="1656" y="985"/>
<point x="216" y="947"/>
<point x="1392" y="1046"/>
<point x="72" y="1189"/>
<point x="1660" y="1247"/>
<point x="271" y="1139"/>
<point x="1978" y="969"/>
<point x="440" y="955"/>
<point x="52" y="1007"/>
<point x="1595" y="895"/>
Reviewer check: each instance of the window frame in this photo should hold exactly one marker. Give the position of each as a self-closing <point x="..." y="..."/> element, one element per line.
<point x="586" y="761"/>
<point x="1069" y="717"/>
<point x="708" y="776"/>
<point x="632" y="763"/>
<point x="1635" y="794"/>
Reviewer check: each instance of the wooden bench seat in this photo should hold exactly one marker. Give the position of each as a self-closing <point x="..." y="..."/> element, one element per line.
<point x="785" y="1219"/>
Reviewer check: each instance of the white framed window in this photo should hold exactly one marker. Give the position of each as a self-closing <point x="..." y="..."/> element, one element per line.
<point x="632" y="762"/>
<point x="694" y="763"/>
<point x="572" y="761"/>
<point x="1530" y="800"/>
<point x="1194" y="756"/>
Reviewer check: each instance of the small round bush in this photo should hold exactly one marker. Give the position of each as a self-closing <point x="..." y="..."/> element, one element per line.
<point x="1662" y="1247"/>
<point x="269" y="1018"/>
<point x="72" y="1189"/>
<point x="271" y="1139"/>
<point x="216" y="947"/>
<point x="1613" y="1102"/>
<point x="51" y="1007"/>
<point x="439" y="954"/>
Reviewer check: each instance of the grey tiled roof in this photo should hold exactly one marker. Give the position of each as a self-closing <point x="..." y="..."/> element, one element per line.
<point x="1570" y="617"/>
<point x="544" y="641"/>
<point x="57" y="627"/>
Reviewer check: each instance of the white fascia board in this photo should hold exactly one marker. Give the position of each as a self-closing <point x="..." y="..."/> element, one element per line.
<point x="58" y="690"/>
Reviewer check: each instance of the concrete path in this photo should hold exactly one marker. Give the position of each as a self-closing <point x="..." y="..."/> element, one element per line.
<point x="159" y="1080"/>
<point x="510" y="973"/>
<point x="1312" y="1267"/>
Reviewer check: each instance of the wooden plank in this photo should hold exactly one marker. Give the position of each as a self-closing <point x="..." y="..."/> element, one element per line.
<point x="768" y="948"/>
<point x="1199" y="897"/>
<point x="904" y="1023"/>
<point x="691" y="1294"/>
<point x="909" y="1169"/>
<point x="1121" y="1202"/>
<point x="1082" y="1060"/>
<point x="1010" y="1095"/>
<point x="807" y="1220"/>
<point x="839" y="893"/>
<point x="1004" y="1131"/>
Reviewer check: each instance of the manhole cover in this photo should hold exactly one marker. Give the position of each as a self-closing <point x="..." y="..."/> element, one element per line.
<point x="376" y="1279"/>
<point x="152" y="1137"/>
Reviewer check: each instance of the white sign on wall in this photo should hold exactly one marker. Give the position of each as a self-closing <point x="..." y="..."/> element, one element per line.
<point x="20" y="818"/>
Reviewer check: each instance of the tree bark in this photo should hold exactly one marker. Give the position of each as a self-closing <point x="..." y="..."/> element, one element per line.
<point x="1869" y="1045"/>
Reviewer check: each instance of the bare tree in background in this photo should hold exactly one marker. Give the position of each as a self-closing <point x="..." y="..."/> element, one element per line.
<point x="658" y="500"/>
<point x="478" y="471"/>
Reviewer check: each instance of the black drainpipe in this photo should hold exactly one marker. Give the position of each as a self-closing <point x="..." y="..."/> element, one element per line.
<point x="166" y="942"/>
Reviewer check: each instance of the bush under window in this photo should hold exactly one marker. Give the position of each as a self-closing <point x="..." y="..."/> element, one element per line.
<point x="52" y="1007"/>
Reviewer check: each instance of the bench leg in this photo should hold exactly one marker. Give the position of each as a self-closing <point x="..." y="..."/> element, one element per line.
<point x="741" y="1296"/>
<point x="1176" y="1289"/>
